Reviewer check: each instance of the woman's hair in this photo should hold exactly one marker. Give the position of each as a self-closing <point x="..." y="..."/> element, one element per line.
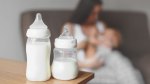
<point x="83" y="11"/>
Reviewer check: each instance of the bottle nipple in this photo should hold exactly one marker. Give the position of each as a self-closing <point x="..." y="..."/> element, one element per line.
<point x="66" y="39"/>
<point x="38" y="17"/>
<point x="38" y="29"/>
<point x="66" y="33"/>
<point x="38" y="22"/>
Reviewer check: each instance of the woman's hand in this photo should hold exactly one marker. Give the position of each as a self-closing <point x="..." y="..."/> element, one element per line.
<point x="93" y="37"/>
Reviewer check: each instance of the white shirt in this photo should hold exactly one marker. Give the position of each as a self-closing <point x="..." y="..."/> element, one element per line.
<point x="79" y="35"/>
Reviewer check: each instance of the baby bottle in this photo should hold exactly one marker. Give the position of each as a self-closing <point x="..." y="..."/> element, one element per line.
<point x="38" y="49"/>
<point x="64" y="65"/>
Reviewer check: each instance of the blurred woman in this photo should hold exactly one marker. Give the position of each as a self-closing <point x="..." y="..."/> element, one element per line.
<point x="95" y="41"/>
<point x="82" y="22"/>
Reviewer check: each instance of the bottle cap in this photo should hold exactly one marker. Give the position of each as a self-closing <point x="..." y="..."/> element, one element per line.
<point x="65" y="40"/>
<point x="38" y="29"/>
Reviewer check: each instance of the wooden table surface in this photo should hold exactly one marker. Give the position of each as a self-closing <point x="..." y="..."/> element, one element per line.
<point x="13" y="72"/>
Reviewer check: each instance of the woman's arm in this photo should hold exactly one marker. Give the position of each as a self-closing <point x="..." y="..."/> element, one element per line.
<point x="95" y="64"/>
<point x="82" y="44"/>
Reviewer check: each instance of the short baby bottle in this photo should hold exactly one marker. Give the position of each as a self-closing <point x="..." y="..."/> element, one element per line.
<point x="64" y="66"/>
<point x="38" y="49"/>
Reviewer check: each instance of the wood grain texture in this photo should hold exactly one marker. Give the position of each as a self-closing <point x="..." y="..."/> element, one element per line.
<point x="13" y="72"/>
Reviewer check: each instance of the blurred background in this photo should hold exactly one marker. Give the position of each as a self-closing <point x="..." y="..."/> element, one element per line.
<point x="131" y="16"/>
<point x="11" y="45"/>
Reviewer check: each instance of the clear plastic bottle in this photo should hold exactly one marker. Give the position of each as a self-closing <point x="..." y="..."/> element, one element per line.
<point x="64" y="65"/>
<point x="38" y="49"/>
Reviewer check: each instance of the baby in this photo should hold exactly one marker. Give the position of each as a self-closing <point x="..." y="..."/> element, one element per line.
<point x="98" y="44"/>
<point x="111" y="38"/>
<point x="99" y="51"/>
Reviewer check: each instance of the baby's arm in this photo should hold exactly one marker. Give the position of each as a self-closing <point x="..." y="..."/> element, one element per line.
<point x="93" y="64"/>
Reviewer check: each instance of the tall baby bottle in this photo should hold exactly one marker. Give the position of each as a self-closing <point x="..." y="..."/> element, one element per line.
<point x="64" y="66"/>
<point x="38" y="49"/>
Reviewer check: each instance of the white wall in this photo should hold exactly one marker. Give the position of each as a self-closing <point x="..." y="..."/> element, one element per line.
<point x="10" y="11"/>
<point x="10" y="35"/>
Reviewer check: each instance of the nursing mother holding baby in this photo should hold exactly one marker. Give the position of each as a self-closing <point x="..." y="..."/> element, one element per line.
<point x="96" y="47"/>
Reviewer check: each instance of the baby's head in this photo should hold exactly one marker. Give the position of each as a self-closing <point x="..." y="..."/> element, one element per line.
<point x="113" y="37"/>
<point x="110" y="38"/>
<point x="94" y="37"/>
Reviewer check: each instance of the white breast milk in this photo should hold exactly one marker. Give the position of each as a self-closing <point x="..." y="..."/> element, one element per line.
<point x="65" y="69"/>
<point x="39" y="68"/>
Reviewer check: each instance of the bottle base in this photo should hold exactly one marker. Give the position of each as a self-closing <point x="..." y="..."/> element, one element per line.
<point x="37" y="78"/>
<point x="64" y="77"/>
